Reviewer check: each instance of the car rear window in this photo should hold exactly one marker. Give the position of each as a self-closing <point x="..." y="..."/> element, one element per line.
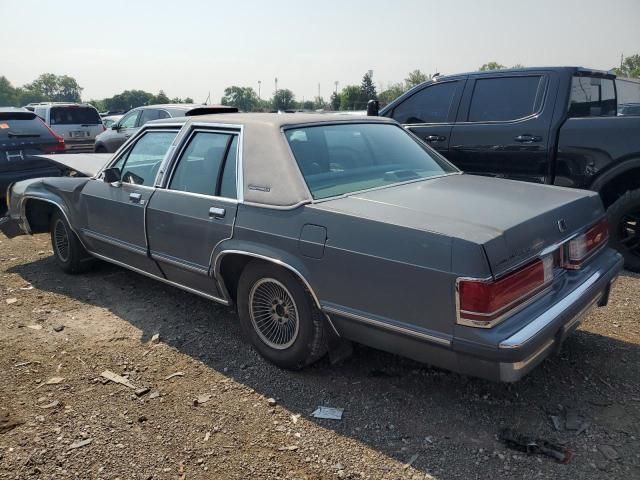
<point x="340" y="159"/>
<point x="22" y="128"/>
<point x="75" y="116"/>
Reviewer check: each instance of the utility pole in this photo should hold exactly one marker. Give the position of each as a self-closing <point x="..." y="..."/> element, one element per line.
<point x="318" y="91"/>
<point x="336" y="84"/>
<point x="276" y="82"/>
<point x="259" y="85"/>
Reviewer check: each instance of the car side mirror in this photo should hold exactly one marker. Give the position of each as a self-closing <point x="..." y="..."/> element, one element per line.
<point x="111" y="175"/>
<point x="373" y="107"/>
<point x="115" y="126"/>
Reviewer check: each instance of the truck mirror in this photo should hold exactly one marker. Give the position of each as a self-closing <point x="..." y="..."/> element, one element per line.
<point x="373" y="107"/>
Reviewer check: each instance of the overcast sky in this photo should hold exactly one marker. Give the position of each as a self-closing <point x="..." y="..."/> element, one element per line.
<point x="191" y="47"/>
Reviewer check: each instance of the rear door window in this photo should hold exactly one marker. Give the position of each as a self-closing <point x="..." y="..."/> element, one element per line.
<point x="74" y="116"/>
<point x="201" y="166"/>
<point x="502" y="99"/>
<point x="430" y="105"/>
<point x="592" y="97"/>
<point x="150" y="114"/>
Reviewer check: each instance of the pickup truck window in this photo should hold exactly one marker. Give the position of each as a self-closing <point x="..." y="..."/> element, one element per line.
<point x="592" y="97"/>
<point x="628" y="96"/>
<point x="505" y="98"/>
<point x="200" y="166"/>
<point x="429" y="105"/>
<point x="339" y="159"/>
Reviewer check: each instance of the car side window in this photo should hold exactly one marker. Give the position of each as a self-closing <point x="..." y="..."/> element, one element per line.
<point x="129" y="120"/>
<point x="429" y="105"/>
<point x="505" y="98"/>
<point x="140" y="164"/>
<point x="151" y="114"/>
<point x="592" y="97"/>
<point x="201" y="168"/>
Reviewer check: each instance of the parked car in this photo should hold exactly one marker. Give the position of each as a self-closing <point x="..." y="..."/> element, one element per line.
<point x="23" y="136"/>
<point x="558" y="126"/>
<point x="119" y="132"/>
<point x="77" y="123"/>
<point x="338" y="227"/>
<point x="109" y="120"/>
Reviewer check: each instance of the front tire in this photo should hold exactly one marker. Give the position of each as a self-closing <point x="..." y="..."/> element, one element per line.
<point x="69" y="253"/>
<point x="624" y="228"/>
<point x="279" y="316"/>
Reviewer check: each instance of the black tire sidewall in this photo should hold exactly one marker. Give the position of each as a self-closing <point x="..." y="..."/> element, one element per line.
<point x="73" y="263"/>
<point x="627" y="203"/>
<point x="298" y="354"/>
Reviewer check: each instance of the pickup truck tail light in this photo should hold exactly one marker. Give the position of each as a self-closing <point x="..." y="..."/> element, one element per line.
<point x="483" y="303"/>
<point x="580" y="248"/>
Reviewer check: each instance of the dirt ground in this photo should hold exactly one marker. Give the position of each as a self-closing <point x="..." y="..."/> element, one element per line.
<point x="226" y="413"/>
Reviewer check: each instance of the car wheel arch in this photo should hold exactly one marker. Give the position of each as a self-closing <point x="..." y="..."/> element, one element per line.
<point x="617" y="180"/>
<point x="37" y="212"/>
<point x="229" y="264"/>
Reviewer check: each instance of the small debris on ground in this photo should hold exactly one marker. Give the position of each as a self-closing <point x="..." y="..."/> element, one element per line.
<point x="413" y="458"/>
<point x="11" y="301"/>
<point x="530" y="445"/>
<point x="177" y="374"/>
<point x="155" y="338"/>
<point x="53" y="404"/>
<point x="35" y="327"/>
<point x="288" y="448"/>
<point x="80" y="444"/>
<point x="153" y="395"/>
<point x="142" y="391"/>
<point x="557" y="422"/>
<point x="201" y="399"/>
<point x="53" y="381"/>
<point x="608" y="452"/>
<point x="271" y="401"/>
<point x="295" y="418"/>
<point x="8" y="423"/>
<point x="58" y="328"/>
<point x="115" y="378"/>
<point x="329" y="413"/>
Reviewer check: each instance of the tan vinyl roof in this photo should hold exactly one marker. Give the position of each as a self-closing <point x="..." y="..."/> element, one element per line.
<point x="270" y="173"/>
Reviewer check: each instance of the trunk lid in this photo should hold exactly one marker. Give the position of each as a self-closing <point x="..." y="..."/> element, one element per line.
<point x="513" y="221"/>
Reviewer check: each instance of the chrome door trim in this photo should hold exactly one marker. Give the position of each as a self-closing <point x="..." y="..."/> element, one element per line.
<point x="388" y="326"/>
<point x="114" y="241"/>
<point x="176" y="262"/>
<point x="163" y="280"/>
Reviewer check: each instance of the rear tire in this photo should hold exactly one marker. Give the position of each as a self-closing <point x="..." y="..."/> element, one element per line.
<point x="624" y="228"/>
<point x="69" y="253"/>
<point x="279" y="316"/>
<point x="100" y="149"/>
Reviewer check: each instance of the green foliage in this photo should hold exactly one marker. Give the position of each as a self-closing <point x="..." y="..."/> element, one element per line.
<point x="283" y="99"/>
<point x="367" y="87"/>
<point x="415" y="78"/>
<point x="307" y="105"/>
<point x="391" y="93"/>
<point x="160" y="98"/>
<point x="629" y="68"/>
<point x="334" y="102"/>
<point x="53" y="88"/>
<point x="319" y="103"/>
<point x="492" y="66"/>
<point x="244" y="98"/>
<point x="351" y="98"/>
<point x="518" y="65"/>
<point x="8" y="94"/>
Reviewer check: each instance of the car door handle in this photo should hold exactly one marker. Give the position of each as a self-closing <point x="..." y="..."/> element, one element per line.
<point x="135" y="197"/>
<point x="216" y="212"/>
<point x="435" y="138"/>
<point x="526" y="138"/>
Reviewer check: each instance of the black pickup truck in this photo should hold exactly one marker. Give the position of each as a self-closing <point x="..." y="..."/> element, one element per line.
<point x="564" y="126"/>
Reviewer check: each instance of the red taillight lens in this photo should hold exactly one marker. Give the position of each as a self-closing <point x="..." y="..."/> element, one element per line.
<point x="583" y="246"/>
<point x="482" y="303"/>
<point x="57" y="147"/>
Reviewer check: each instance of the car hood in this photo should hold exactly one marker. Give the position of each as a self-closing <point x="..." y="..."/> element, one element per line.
<point x="511" y="220"/>
<point x="88" y="164"/>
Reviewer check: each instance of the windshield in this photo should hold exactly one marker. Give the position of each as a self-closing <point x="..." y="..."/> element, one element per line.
<point x="75" y="116"/>
<point x="340" y="159"/>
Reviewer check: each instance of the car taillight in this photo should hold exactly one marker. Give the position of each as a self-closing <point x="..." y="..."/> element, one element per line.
<point x="583" y="246"/>
<point x="483" y="303"/>
<point x="57" y="147"/>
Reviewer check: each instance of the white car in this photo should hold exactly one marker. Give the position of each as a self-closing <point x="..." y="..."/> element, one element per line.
<point x="77" y="123"/>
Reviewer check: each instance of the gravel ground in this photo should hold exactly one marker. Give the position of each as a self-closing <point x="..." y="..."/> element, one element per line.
<point x="228" y="414"/>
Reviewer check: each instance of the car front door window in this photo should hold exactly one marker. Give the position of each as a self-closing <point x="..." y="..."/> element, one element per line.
<point x="140" y="164"/>
<point x="129" y="120"/>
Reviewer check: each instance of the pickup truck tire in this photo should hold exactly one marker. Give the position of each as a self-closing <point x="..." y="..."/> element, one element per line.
<point x="69" y="253"/>
<point x="624" y="228"/>
<point x="279" y="316"/>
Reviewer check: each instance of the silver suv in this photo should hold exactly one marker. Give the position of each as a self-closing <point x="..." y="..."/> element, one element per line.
<point x="77" y="123"/>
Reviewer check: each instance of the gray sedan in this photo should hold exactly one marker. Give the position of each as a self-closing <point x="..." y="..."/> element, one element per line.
<point x="322" y="230"/>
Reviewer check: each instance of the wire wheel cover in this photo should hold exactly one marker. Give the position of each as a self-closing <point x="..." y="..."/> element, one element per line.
<point x="630" y="232"/>
<point x="274" y="314"/>
<point x="61" y="240"/>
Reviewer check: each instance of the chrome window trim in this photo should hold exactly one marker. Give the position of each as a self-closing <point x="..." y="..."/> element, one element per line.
<point x="176" y="262"/>
<point x="115" y="242"/>
<point x="214" y="198"/>
<point x="166" y="171"/>
<point x="388" y="326"/>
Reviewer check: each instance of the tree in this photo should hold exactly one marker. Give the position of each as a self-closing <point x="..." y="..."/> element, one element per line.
<point x="335" y="101"/>
<point x="244" y="98"/>
<point x="518" y="65"/>
<point x="351" y="98"/>
<point x="367" y="87"/>
<point x="415" y="78"/>
<point x="629" y="67"/>
<point x="492" y="66"/>
<point x="188" y="100"/>
<point x="160" y="99"/>
<point x="393" y="91"/>
<point x="283" y="100"/>
<point x="8" y="94"/>
<point x="128" y="99"/>
<point x="307" y="105"/>
<point x="53" y="88"/>
<point x="319" y="103"/>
